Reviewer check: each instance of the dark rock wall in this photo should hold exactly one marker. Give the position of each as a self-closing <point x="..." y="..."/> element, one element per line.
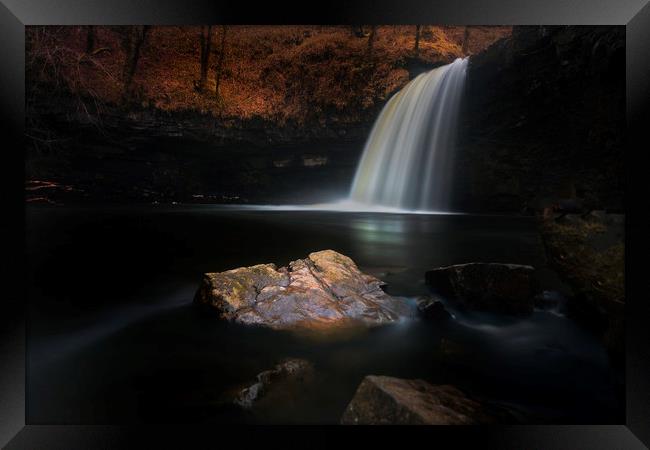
<point x="544" y="119"/>
<point x="147" y="156"/>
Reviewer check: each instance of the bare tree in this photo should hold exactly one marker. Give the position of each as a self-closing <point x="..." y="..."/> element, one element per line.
<point x="206" y="44"/>
<point x="357" y="30"/>
<point x="132" y="43"/>
<point x="416" y="50"/>
<point x="222" y="52"/>
<point x="371" y="39"/>
<point x="90" y="39"/>
<point x="466" y="41"/>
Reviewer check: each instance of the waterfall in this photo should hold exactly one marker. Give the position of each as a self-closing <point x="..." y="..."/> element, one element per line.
<point x="406" y="161"/>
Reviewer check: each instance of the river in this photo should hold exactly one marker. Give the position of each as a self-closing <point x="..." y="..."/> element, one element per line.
<point x="113" y="336"/>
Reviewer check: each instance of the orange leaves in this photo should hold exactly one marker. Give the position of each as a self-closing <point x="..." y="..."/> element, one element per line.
<point x="280" y="72"/>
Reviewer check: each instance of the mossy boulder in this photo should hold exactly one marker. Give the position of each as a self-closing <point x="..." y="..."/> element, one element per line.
<point x="503" y="288"/>
<point x="324" y="290"/>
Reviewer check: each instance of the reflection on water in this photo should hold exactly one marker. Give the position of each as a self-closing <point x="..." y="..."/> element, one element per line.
<point x="109" y="332"/>
<point x="342" y="206"/>
<point x="378" y="236"/>
<point x="368" y="232"/>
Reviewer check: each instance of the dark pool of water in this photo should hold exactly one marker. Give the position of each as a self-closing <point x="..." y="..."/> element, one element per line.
<point x="113" y="337"/>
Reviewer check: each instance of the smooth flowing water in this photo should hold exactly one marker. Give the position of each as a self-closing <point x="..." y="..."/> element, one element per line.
<point x="406" y="162"/>
<point x="113" y="336"/>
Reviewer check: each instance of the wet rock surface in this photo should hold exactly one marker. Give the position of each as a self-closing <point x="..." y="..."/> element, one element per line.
<point x="550" y="300"/>
<point x="324" y="290"/>
<point x="382" y="400"/>
<point x="289" y="371"/>
<point x="432" y="309"/>
<point x="503" y="288"/>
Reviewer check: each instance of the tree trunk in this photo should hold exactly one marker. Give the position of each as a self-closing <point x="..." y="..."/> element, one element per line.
<point x="416" y="50"/>
<point x="466" y="41"/>
<point x="371" y="39"/>
<point x="206" y="44"/>
<point x="90" y="39"/>
<point x="357" y="31"/>
<point x="133" y="42"/>
<point x="219" y="68"/>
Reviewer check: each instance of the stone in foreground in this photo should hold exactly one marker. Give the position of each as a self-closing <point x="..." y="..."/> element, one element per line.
<point x="505" y="288"/>
<point x="324" y="290"/>
<point x="381" y="400"/>
<point x="290" y="370"/>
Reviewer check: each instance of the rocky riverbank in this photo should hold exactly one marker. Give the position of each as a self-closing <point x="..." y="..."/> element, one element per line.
<point x="544" y="119"/>
<point x="588" y="252"/>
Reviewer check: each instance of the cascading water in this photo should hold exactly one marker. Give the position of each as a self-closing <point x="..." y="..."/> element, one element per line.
<point x="406" y="162"/>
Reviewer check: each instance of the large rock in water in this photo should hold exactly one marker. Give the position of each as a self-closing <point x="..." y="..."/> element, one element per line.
<point x="507" y="288"/>
<point x="381" y="400"/>
<point x="323" y="290"/>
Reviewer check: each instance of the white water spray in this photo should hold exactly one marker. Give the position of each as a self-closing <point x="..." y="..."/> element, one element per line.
<point x="406" y="162"/>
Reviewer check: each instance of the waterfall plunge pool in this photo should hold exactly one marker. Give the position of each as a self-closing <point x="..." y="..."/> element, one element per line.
<point x="114" y="338"/>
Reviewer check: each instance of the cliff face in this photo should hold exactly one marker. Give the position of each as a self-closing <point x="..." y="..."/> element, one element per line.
<point x="544" y="119"/>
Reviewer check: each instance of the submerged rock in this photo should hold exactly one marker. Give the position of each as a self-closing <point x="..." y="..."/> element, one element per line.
<point x="507" y="288"/>
<point x="326" y="289"/>
<point x="432" y="309"/>
<point x="381" y="400"/>
<point x="290" y="370"/>
<point x="550" y="300"/>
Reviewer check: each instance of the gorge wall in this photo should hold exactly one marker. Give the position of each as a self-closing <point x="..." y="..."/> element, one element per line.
<point x="544" y="119"/>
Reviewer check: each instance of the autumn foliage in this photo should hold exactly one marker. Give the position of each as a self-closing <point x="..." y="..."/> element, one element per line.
<point x="272" y="72"/>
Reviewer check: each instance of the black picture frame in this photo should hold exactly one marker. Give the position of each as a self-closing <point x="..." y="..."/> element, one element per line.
<point x="15" y="14"/>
